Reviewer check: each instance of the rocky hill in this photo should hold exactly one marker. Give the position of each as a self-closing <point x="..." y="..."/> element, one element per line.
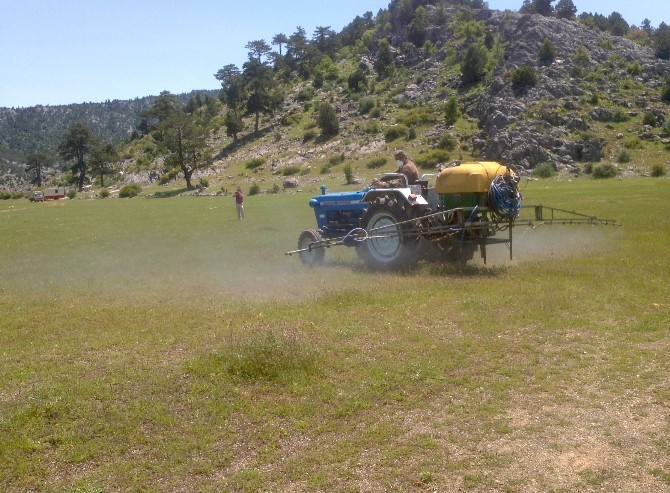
<point x="548" y="91"/>
<point x="595" y="78"/>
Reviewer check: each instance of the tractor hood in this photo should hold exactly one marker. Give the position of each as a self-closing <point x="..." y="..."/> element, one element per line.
<point x="338" y="199"/>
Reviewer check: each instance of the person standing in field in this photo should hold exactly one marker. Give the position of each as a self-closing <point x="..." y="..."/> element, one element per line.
<point x="239" y="204"/>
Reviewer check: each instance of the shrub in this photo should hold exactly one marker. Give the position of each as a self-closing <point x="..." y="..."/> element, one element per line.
<point x="620" y="116"/>
<point x="348" y="173"/>
<point x="254" y="163"/>
<point x="325" y="169"/>
<point x="365" y="105"/>
<point x="606" y="44"/>
<point x="308" y="135"/>
<point x="169" y="176"/>
<point x="547" y="53"/>
<point x="128" y="191"/>
<point x="624" y="156"/>
<point x="377" y="163"/>
<point x="633" y="143"/>
<point x="473" y="68"/>
<point x="204" y="182"/>
<point x="291" y="119"/>
<point x="393" y="133"/>
<point x="260" y="356"/>
<point x="649" y="119"/>
<point x="357" y="81"/>
<point x="104" y="193"/>
<point x="634" y="69"/>
<point x="544" y="170"/>
<point x="11" y="195"/>
<point x="448" y="142"/>
<point x="657" y="170"/>
<point x="275" y="189"/>
<point x="524" y="77"/>
<point x="318" y="80"/>
<point x="71" y="194"/>
<point x="254" y="189"/>
<point x="577" y="72"/>
<point x="581" y="56"/>
<point x="418" y="116"/>
<point x="411" y="135"/>
<point x="605" y="170"/>
<point x="305" y="94"/>
<point x="451" y="111"/>
<point x="337" y="159"/>
<point x="432" y="158"/>
<point x="328" y="121"/>
<point x="291" y="170"/>
<point x="372" y="128"/>
<point x="665" y="92"/>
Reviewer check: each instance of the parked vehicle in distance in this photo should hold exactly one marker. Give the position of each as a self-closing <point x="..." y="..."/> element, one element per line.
<point x="37" y="197"/>
<point x="55" y="193"/>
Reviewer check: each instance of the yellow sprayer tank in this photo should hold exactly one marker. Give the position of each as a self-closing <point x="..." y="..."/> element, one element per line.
<point x="467" y="184"/>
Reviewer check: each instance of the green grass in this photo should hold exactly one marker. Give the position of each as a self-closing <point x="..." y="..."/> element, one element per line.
<point x="162" y="345"/>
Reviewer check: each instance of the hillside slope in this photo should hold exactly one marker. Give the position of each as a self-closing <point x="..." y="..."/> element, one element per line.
<point x="593" y="102"/>
<point x="598" y="97"/>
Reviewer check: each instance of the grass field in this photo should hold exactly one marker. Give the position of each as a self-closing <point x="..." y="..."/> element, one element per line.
<point x="161" y="345"/>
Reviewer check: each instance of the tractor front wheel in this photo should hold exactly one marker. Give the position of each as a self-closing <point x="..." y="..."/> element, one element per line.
<point x="310" y="254"/>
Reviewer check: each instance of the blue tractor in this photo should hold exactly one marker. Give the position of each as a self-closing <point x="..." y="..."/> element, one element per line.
<point x="451" y="215"/>
<point x="346" y="217"/>
<point x="446" y="214"/>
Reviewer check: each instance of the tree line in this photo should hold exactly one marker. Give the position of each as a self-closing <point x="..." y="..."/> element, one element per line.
<point x="615" y="24"/>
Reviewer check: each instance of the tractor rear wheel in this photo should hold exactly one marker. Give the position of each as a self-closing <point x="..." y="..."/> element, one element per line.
<point x="389" y="245"/>
<point x="309" y="255"/>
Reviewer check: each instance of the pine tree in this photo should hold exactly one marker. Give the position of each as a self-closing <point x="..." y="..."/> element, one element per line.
<point x="76" y="144"/>
<point x="384" y="61"/>
<point x="565" y="9"/>
<point x="328" y="121"/>
<point x="547" y="53"/>
<point x="36" y="162"/>
<point x="662" y="42"/>
<point x="473" y="68"/>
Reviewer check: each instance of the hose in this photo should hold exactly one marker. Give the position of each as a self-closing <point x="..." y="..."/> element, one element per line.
<point x="354" y="236"/>
<point x="504" y="197"/>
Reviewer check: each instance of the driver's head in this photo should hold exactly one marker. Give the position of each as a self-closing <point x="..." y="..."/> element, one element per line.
<point x="400" y="157"/>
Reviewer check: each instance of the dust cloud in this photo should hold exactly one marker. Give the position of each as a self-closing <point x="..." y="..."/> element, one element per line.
<point x="156" y="269"/>
<point x="198" y="269"/>
<point x="554" y="242"/>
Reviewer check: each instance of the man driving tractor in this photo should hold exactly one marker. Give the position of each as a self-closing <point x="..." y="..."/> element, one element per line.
<point x="405" y="166"/>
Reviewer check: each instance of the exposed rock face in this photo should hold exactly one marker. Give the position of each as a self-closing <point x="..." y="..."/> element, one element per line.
<point x="542" y="123"/>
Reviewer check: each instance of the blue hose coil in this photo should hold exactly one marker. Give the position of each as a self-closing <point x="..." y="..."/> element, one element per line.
<point x="504" y="197"/>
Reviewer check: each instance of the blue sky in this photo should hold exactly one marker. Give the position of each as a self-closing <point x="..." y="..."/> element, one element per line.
<point x="73" y="51"/>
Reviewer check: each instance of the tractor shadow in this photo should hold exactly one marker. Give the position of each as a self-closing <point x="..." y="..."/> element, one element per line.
<point x="431" y="268"/>
<point x="455" y="269"/>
